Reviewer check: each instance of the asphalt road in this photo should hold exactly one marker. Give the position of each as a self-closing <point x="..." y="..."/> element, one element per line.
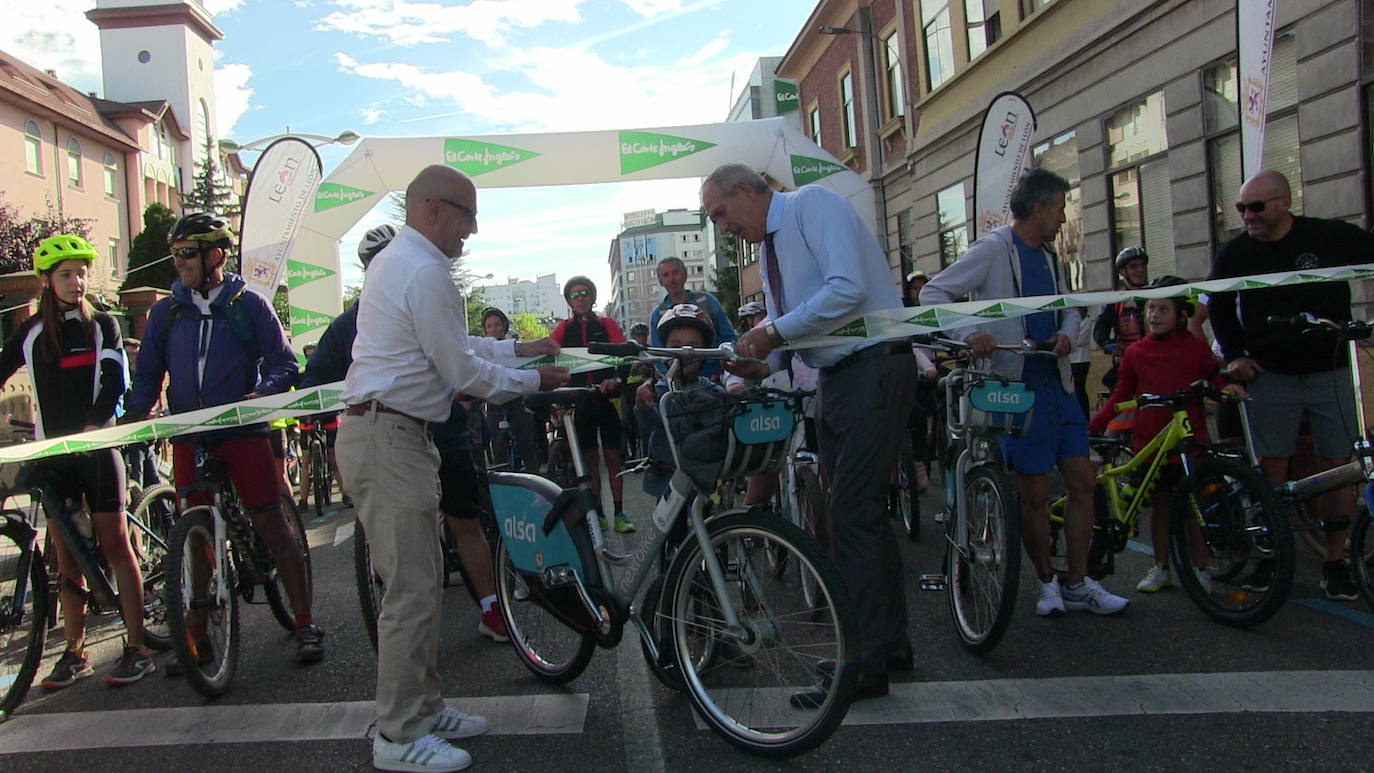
<point x="1157" y="687"/>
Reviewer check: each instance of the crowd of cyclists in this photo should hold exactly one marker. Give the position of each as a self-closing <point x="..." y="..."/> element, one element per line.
<point x="215" y="342"/>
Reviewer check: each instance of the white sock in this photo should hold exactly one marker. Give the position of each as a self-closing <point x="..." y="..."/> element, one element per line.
<point x="488" y="603"/>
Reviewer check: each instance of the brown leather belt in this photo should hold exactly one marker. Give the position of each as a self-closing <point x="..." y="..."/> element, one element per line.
<point x="362" y="409"/>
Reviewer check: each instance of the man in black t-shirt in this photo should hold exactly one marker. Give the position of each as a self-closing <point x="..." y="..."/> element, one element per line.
<point x="1288" y="373"/>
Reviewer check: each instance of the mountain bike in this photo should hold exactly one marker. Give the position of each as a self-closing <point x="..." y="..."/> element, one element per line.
<point x="216" y="558"/>
<point x="316" y="461"/>
<point x="982" y="562"/>
<point x="30" y="582"/>
<point x="1225" y="521"/>
<point x="736" y="637"/>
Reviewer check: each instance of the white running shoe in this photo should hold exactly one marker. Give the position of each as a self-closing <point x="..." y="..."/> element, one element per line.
<point x="1051" y="600"/>
<point x="1156" y="579"/>
<point x="452" y="724"/>
<point x="428" y="754"/>
<point x="1090" y="595"/>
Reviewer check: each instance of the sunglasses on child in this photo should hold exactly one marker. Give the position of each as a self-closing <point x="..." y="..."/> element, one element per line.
<point x="1254" y="207"/>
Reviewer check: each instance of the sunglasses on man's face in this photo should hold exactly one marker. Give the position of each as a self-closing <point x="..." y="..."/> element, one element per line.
<point x="579" y="294"/>
<point x="185" y="253"/>
<point x="1254" y="207"/>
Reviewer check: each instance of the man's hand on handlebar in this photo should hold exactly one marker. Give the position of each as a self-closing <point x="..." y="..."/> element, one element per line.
<point x="1062" y="345"/>
<point x="749" y="370"/>
<point x="1244" y="369"/>
<point x="552" y="377"/>
<point x="983" y="344"/>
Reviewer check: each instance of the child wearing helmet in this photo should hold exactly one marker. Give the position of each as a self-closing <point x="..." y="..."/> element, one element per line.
<point x="76" y="361"/>
<point x="685" y="324"/>
<point x="1166" y="360"/>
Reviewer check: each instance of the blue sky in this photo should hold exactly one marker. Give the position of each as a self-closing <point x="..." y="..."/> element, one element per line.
<point x="458" y="67"/>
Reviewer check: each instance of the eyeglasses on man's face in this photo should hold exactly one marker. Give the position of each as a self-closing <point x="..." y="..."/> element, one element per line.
<point x="1254" y="207"/>
<point x="465" y="209"/>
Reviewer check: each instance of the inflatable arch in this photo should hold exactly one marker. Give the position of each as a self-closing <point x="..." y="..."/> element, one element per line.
<point x="379" y="165"/>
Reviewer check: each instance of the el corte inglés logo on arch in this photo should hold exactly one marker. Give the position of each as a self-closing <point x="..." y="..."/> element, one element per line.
<point x="298" y="273"/>
<point x="331" y="195"/>
<point x="642" y="150"/>
<point x="474" y="158"/>
<point x="303" y="320"/>
<point x="808" y="170"/>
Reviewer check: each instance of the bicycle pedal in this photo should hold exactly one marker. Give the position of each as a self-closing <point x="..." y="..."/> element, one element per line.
<point x="933" y="582"/>
<point x="941" y="517"/>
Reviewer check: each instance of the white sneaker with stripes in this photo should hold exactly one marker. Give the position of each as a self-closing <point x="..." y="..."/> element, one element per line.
<point x="429" y="753"/>
<point x="452" y="724"/>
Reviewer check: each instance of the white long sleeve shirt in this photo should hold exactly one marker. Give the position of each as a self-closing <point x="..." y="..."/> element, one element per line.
<point x="412" y="352"/>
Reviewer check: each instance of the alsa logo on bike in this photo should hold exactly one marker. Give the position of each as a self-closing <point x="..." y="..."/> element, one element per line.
<point x="519" y="530"/>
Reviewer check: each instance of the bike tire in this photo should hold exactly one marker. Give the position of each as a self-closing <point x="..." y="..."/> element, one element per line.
<point x="157" y="510"/>
<point x="277" y="597"/>
<point x="192" y="544"/>
<point x="561" y="464"/>
<point x="1234" y="512"/>
<point x="551" y="650"/>
<point x="23" y="617"/>
<point x="743" y="692"/>
<point x="1362" y="553"/>
<point x="371" y="589"/>
<point x="319" y="477"/>
<point x="812" y="512"/>
<point x="904" y="502"/>
<point x="983" y="585"/>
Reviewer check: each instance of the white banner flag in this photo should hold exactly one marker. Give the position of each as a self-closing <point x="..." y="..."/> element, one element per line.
<point x="1255" y="44"/>
<point x="1003" y="154"/>
<point x="283" y="183"/>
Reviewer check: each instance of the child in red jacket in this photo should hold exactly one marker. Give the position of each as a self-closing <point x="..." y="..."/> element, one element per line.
<point x="1166" y="361"/>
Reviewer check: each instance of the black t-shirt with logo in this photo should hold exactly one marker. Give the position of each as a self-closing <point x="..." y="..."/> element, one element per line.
<point x="1241" y="320"/>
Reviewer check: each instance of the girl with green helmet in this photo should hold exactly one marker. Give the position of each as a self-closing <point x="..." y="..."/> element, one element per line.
<point x="76" y="361"/>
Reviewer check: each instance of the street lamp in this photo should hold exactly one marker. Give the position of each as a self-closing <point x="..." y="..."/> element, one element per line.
<point x="342" y="138"/>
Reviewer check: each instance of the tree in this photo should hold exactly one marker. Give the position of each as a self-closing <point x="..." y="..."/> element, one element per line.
<point x="474" y="300"/>
<point x="20" y="235"/>
<point x="725" y="278"/>
<point x="211" y="192"/>
<point x="528" y="326"/>
<point x="151" y="245"/>
<point x="282" y="305"/>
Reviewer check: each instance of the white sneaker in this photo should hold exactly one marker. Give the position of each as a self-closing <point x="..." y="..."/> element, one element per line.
<point x="1051" y="601"/>
<point x="1091" y="596"/>
<point x="1204" y="579"/>
<point x="452" y="724"/>
<point x="429" y="753"/>
<point x="1156" y="579"/>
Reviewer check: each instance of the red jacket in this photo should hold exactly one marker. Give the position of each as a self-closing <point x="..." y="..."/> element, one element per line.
<point x="1159" y="366"/>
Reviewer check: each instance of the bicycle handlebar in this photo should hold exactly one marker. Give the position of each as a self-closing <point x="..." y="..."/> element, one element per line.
<point x="1196" y="390"/>
<point x="1306" y="322"/>
<point x="1027" y="347"/>
<point x="645" y="353"/>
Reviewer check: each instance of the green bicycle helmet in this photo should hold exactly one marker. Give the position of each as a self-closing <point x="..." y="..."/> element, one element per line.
<point x="55" y="249"/>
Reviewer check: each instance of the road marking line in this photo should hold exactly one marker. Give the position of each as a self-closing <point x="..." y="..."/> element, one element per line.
<point x="639" y="735"/>
<point x="509" y="715"/>
<point x="1340" y="610"/>
<point x="344" y="532"/>
<point x="1104" y="696"/>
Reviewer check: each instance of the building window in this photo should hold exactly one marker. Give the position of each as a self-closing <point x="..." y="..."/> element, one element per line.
<point x="815" y="124"/>
<point x="203" y="121"/>
<point x="33" y="148"/>
<point x="73" y="163"/>
<point x="1029" y="7"/>
<point x="1060" y="155"/>
<point x="851" y="125"/>
<point x="952" y="218"/>
<point x="939" y="38"/>
<point x="1138" y="172"/>
<point x="905" y="241"/>
<point x="110" y="170"/>
<point x="892" y="78"/>
<point x="1221" y="121"/>
<point x="975" y="24"/>
<point x="113" y="253"/>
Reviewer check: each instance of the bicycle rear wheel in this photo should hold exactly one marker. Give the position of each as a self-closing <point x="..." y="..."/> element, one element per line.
<point x="985" y="562"/>
<point x="1362" y="553"/>
<point x="546" y="645"/>
<point x="811" y="502"/>
<point x="743" y="692"/>
<point x="277" y="597"/>
<point x="23" y="614"/>
<point x="195" y="572"/>
<point x="371" y="589"/>
<point x="157" y="512"/>
<point x="319" y="477"/>
<point x="1231" y="509"/>
<point x="904" y="502"/>
<point x="561" y="465"/>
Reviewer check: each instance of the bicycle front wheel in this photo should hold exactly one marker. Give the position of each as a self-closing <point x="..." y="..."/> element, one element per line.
<point x="985" y="561"/>
<point x="1225" y="514"/>
<point x="157" y="512"/>
<point x="904" y="501"/>
<point x="319" y="477"/>
<point x="196" y="570"/>
<point x="546" y="645"/>
<point x="783" y="645"/>
<point x="1362" y="553"/>
<point x="23" y="615"/>
<point x="277" y="597"/>
<point x="371" y="589"/>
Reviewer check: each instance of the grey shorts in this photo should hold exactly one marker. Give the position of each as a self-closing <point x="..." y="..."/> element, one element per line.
<point x="1279" y="401"/>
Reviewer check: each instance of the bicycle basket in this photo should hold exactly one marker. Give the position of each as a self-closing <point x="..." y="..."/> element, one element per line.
<point x="719" y="436"/>
<point x="997" y="405"/>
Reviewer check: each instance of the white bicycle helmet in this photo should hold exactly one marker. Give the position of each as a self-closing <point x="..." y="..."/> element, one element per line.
<point x="374" y="241"/>
<point x="751" y="308"/>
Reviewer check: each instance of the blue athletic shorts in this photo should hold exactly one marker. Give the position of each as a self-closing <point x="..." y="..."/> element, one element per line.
<point x="1058" y="428"/>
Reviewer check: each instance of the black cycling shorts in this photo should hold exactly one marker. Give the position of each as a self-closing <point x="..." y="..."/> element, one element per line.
<point x="96" y="476"/>
<point x="597" y="415"/>
<point x="458" y="484"/>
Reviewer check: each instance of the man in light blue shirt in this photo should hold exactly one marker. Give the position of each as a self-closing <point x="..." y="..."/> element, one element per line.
<point x="822" y="267"/>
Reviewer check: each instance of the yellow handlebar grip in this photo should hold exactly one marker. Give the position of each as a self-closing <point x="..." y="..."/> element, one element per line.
<point x="1129" y="405"/>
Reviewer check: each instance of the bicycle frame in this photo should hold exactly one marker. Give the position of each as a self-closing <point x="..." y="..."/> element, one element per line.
<point x="1156" y="455"/>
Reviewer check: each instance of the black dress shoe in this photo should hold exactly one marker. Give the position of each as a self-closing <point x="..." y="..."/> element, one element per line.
<point x="866" y="686"/>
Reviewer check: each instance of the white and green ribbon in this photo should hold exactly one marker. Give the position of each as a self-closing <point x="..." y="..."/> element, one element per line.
<point x="886" y="324"/>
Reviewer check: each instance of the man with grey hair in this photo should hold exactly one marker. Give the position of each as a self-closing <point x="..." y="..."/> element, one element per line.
<point x="1018" y="260"/>
<point x="822" y="267"/>
<point x="410" y="356"/>
<point x="672" y="276"/>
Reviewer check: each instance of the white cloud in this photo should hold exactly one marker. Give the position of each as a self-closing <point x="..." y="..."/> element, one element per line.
<point x="650" y="8"/>
<point x="55" y="35"/>
<point x="372" y="115"/>
<point x="707" y="51"/>
<point x="410" y="24"/>
<point x="233" y="97"/>
<point x="216" y="7"/>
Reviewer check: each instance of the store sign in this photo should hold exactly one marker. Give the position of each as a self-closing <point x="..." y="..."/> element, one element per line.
<point x="808" y="170"/>
<point x="643" y="150"/>
<point x="786" y="96"/>
<point x="331" y="195"/>
<point x="474" y="158"/>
